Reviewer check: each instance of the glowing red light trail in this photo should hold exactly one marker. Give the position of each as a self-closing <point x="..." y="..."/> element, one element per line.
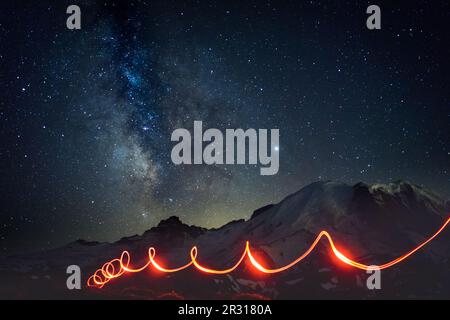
<point x="118" y="266"/>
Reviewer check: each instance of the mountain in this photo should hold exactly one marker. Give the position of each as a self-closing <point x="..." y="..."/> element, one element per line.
<point x="372" y="224"/>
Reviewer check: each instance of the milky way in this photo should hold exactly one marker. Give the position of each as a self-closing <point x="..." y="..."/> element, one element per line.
<point x="87" y="115"/>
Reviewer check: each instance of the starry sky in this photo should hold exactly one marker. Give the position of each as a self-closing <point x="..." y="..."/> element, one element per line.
<point x="86" y="115"/>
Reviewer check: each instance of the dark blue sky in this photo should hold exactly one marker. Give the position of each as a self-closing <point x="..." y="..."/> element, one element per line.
<point x="87" y="115"/>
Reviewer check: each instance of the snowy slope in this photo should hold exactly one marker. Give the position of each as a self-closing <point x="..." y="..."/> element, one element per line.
<point x="374" y="223"/>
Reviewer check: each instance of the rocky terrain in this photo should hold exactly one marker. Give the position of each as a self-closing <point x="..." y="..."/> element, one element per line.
<point x="372" y="223"/>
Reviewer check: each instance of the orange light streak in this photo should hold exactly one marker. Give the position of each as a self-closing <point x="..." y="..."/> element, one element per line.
<point x="118" y="266"/>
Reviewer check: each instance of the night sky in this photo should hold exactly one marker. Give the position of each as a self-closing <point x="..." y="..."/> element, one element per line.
<point x="86" y="115"/>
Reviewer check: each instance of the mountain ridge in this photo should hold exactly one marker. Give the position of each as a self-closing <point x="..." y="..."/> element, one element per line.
<point x="371" y="223"/>
<point x="396" y="187"/>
